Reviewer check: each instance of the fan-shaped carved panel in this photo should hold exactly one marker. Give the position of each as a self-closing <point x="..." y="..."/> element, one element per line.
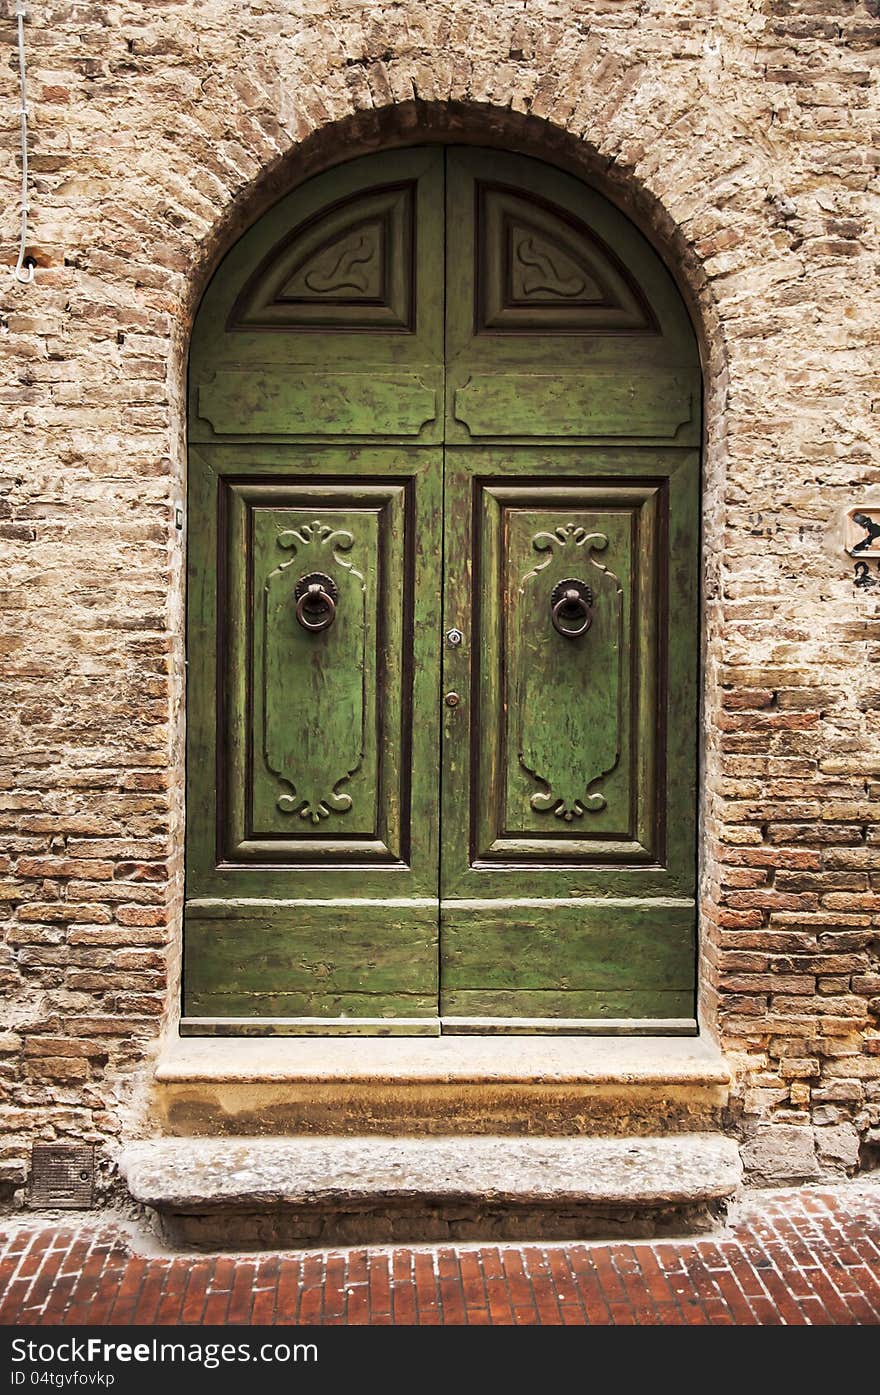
<point x="541" y="270"/>
<point x="348" y="268"/>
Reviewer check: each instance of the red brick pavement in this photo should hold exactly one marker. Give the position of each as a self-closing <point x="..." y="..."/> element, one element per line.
<point x="808" y="1256"/>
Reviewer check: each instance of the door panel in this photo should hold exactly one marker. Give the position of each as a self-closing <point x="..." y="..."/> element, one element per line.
<point x="539" y="267"/>
<point x="568" y="873"/>
<point x="562" y="755"/>
<point x="312" y="860"/>
<point x="317" y="405"/>
<point x="554" y="405"/>
<point x="349" y="266"/>
<point x="569" y="765"/>
<point x="325" y="320"/>
<point x="606" y="715"/>
<point x="606" y="958"/>
<point x="317" y="742"/>
<point x="315" y="402"/>
<point x="560" y="319"/>
<point x="296" y="966"/>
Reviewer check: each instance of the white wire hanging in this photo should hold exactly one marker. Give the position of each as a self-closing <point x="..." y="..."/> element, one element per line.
<point x="23" y="272"/>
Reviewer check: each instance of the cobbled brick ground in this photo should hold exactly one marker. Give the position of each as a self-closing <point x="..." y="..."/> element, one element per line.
<point x="789" y="1257"/>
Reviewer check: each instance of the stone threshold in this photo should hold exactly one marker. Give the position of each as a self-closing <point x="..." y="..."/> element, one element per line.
<point x="439" y="1085"/>
<point x="438" y="1060"/>
<point x="254" y="1192"/>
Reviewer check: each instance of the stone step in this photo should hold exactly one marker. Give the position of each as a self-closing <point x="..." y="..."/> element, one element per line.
<point x="442" y="1085"/>
<point x="264" y="1192"/>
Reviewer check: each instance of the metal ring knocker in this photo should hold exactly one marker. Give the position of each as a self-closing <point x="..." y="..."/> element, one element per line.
<point x="571" y="599"/>
<point x="316" y="596"/>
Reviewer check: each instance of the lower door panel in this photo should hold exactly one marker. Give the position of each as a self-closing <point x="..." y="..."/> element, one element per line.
<point x="352" y="966"/>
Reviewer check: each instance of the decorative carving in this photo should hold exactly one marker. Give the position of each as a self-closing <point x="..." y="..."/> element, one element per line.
<point x="313" y="721"/>
<point x="542" y="270"/>
<point x="568" y="704"/>
<point x="348" y="267"/>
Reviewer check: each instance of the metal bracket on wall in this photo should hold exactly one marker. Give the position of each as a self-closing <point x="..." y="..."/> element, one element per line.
<point x="24" y="267"/>
<point x="861" y="539"/>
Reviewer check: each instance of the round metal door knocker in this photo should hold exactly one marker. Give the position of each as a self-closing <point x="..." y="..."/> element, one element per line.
<point x="316" y="595"/>
<point x="571" y="608"/>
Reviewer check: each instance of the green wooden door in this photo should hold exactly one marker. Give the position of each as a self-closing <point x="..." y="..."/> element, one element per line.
<point x="316" y="448"/>
<point x="454" y="386"/>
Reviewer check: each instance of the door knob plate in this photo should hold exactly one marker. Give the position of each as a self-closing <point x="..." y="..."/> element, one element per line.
<point x="316" y="595"/>
<point x="571" y="607"/>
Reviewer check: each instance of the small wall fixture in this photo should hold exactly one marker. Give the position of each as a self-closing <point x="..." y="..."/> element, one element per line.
<point x="24" y="267"/>
<point x="62" y="1175"/>
<point x="863" y="531"/>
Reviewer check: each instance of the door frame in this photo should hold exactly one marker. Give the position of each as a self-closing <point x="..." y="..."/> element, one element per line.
<point x="325" y="153"/>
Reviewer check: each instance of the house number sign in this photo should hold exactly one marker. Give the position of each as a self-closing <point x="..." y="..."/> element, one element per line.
<point x="862" y="542"/>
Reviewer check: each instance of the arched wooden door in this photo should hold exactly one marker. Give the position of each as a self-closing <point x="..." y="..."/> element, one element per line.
<point x="442" y="612"/>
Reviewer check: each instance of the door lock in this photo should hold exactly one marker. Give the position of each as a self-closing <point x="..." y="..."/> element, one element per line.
<point x="454" y="638"/>
<point x="452" y="699"/>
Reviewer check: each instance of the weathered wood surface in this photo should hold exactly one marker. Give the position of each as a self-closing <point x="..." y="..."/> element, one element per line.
<point x="330" y="337"/>
<point x="642" y="841"/>
<point x="358" y="689"/>
<point x="566" y="697"/>
<point x="568" y="404"/>
<point x="313" y="960"/>
<point x="616" y="943"/>
<point x="315" y="691"/>
<point x="610" y="1003"/>
<point x="272" y="402"/>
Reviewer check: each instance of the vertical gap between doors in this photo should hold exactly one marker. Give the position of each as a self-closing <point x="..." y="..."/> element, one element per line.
<point x="443" y="616"/>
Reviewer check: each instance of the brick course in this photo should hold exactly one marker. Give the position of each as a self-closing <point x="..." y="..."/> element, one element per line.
<point x="742" y="136"/>
<point x="789" y="1259"/>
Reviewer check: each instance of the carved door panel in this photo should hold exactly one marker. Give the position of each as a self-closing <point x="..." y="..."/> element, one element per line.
<point x="572" y="505"/>
<point x="561" y="322"/>
<point x="569" y="770"/>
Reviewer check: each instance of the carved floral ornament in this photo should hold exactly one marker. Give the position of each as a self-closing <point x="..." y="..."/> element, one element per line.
<point x="313" y="718"/>
<point x="568" y="706"/>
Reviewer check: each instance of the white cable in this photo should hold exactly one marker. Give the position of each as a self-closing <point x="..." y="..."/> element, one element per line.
<point x="23" y="273"/>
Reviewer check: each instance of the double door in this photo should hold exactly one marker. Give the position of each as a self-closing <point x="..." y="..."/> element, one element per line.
<point x="442" y="613"/>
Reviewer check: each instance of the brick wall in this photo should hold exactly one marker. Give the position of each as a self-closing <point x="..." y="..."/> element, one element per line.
<point x="742" y="134"/>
